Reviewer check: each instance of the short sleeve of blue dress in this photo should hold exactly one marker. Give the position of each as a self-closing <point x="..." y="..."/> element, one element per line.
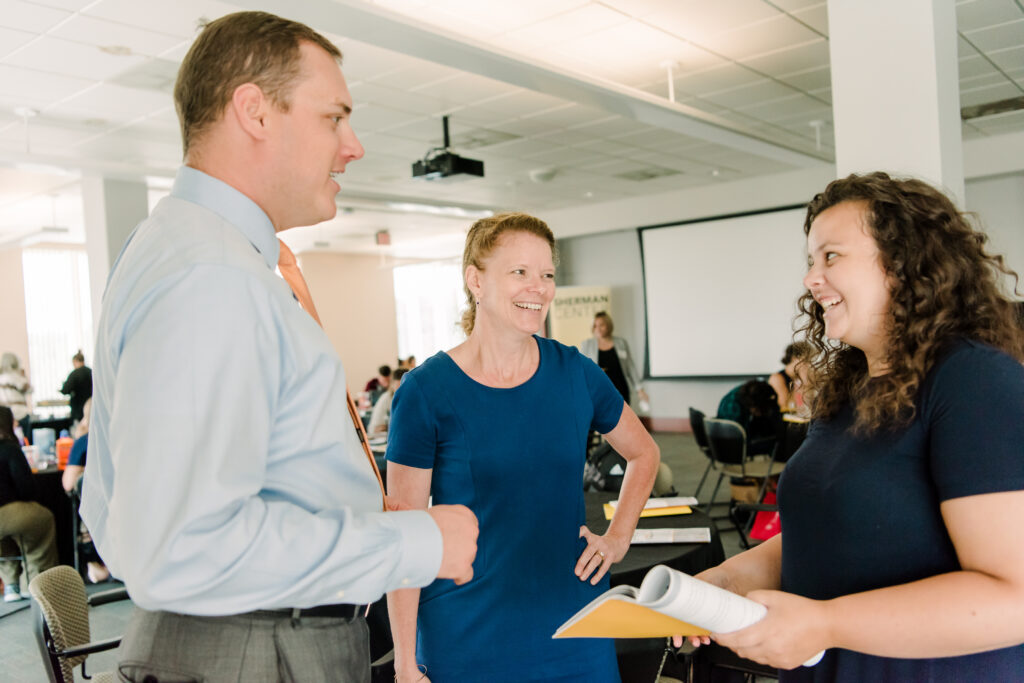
<point x="515" y="456"/>
<point x="78" y="451"/>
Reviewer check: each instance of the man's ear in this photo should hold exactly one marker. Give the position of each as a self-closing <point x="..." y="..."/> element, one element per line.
<point x="250" y="106"/>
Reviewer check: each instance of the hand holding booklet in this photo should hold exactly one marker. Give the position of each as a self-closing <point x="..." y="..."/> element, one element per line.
<point x="668" y="603"/>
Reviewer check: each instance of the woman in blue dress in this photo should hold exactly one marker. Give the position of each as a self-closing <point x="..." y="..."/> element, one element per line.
<point x="500" y="424"/>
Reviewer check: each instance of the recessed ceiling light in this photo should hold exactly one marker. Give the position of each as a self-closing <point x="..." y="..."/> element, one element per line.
<point x="25" y="112"/>
<point x="116" y="50"/>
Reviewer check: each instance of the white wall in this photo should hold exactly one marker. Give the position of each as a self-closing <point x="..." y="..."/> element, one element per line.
<point x="355" y="298"/>
<point x="613" y="258"/>
<point x="13" y="329"/>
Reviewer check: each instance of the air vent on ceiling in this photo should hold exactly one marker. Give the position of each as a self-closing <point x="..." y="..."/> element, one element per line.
<point x="154" y="74"/>
<point x="648" y="173"/>
<point x="481" y="137"/>
<point x="992" y="108"/>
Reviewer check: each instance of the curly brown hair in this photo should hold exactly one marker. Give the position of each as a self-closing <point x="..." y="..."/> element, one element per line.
<point x="944" y="286"/>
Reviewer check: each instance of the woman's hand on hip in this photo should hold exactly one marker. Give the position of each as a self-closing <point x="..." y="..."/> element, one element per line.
<point x="599" y="555"/>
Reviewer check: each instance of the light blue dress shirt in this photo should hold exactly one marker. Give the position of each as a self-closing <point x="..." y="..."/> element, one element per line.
<point x="224" y="472"/>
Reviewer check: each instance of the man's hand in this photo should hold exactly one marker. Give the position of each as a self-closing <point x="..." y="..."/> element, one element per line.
<point x="459" y="530"/>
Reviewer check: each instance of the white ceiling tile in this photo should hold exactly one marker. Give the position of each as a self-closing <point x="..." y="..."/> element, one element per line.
<point x="416" y="74"/>
<point x="568" y="115"/>
<point x="69" y="5"/>
<point x="46" y="135"/>
<point x="180" y="18"/>
<point x="998" y="37"/>
<point x="113" y="103"/>
<point x="611" y="126"/>
<point x="975" y="65"/>
<point x="715" y="80"/>
<point x="786" y="108"/>
<point x="43" y="88"/>
<point x="100" y="32"/>
<point x="365" y="92"/>
<point x="815" y="16"/>
<point x="463" y="89"/>
<point x="991" y="93"/>
<point x="28" y="16"/>
<point x="750" y="94"/>
<point x="565" y="156"/>
<point x="641" y="8"/>
<point x="377" y="118"/>
<point x="72" y="59"/>
<point x="971" y="16"/>
<point x="812" y="79"/>
<point x="653" y="138"/>
<point x="567" y="26"/>
<point x="12" y="40"/>
<point x="770" y="35"/>
<point x="523" y="147"/>
<point x="795" y="58"/>
<point x="622" y="47"/>
<point x="991" y="77"/>
<point x="516" y="103"/>
<point x="525" y="127"/>
<point x="1010" y="59"/>
<point x="698" y="20"/>
<point x="504" y="15"/>
<point x="1000" y="123"/>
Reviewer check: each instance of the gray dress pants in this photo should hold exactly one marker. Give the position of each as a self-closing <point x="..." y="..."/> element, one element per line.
<point x="164" y="647"/>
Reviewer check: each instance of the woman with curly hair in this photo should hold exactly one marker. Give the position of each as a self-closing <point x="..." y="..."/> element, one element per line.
<point x="901" y="510"/>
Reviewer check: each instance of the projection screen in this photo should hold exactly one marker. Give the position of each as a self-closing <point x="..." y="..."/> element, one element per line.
<point x="721" y="293"/>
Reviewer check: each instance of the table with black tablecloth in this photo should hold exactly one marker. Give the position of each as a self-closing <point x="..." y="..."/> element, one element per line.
<point x="51" y="495"/>
<point x="639" y="657"/>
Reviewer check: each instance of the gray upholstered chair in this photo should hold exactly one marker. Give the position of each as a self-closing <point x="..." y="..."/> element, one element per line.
<point x="61" y="618"/>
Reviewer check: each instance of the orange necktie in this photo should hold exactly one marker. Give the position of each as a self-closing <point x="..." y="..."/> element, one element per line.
<point x="289" y="268"/>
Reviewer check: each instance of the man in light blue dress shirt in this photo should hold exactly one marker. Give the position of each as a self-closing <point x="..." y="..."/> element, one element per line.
<point x="226" y="485"/>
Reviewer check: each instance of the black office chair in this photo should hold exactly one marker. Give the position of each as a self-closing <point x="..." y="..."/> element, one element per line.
<point x="61" y="622"/>
<point x="728" y="442"/>
<point x="700" y="436"/>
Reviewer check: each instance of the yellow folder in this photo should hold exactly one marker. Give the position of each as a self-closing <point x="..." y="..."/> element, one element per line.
<point x="609" y="511"/>
<point x="618" y="616"/>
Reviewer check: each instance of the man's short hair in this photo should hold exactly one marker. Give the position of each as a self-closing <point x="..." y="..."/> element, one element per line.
<point x="239" y="48"/>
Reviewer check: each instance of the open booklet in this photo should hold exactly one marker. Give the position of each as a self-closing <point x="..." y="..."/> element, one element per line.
<point x="668" y="603"/>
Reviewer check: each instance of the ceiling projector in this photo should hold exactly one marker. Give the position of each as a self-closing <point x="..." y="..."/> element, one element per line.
<point x="441" y="164"/>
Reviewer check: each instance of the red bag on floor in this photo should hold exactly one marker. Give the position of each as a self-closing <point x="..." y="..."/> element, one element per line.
<point x="766" y="524"/>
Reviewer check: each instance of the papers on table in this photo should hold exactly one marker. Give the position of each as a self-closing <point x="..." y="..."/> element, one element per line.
<point x="658" y="507"/>
<point x="694" y="535"/>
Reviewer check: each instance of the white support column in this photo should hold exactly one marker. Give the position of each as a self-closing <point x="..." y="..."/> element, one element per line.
<point x="895" y="89"/>
<point x="111" y="209"/>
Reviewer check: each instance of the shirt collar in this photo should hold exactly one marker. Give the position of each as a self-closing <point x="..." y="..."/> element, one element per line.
<point x="241" y="212"/>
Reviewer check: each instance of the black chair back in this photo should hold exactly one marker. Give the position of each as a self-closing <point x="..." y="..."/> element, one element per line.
<point x="699" y="433"/>
<point x="728" y="441"/>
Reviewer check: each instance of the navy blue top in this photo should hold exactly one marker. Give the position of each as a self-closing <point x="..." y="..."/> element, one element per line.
<point x="78" y="449"/>
<point x="862" y="512"/>
<point x="515" y="457"/>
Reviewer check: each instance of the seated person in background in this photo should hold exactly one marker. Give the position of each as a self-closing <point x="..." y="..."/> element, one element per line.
<point x="72" y="475"/>
<point x="382" y="408"/>
<point x="26" y="527"/>
<point x="783" y="382"/>
<point x="15" y="391"/>
<point x="379" y="384"/>
<point x="755" y="407"/>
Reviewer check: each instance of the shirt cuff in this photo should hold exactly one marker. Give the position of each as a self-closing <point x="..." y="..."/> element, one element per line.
<point x="422" y="546"/>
